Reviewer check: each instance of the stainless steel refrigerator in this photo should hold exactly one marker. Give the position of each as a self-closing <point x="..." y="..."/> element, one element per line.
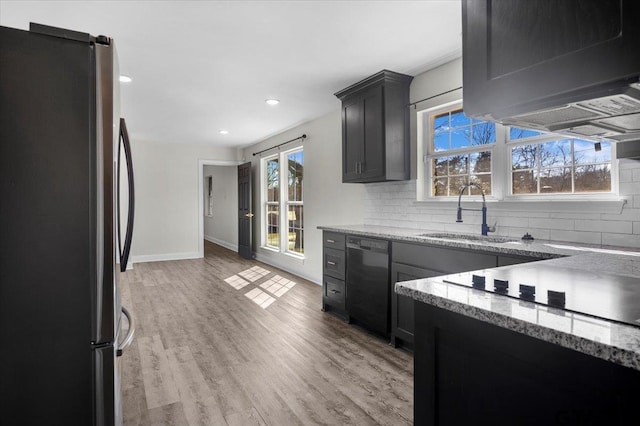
<point x="61" y="145"/>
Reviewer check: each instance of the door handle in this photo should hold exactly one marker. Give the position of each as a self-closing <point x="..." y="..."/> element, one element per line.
<point x="249" y="215"/>
<point x="132" y="330"/>
<point x="124" y="252"/>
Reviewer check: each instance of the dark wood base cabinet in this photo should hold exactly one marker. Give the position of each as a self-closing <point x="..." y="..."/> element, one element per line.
<point x="468" y="372"/>
<point x="334" y="291"/>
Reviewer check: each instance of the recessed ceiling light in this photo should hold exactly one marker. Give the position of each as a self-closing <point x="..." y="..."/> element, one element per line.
<point x="272" y="101"/>
<point x="224" y="132"/>
<point x="125" y="79"/>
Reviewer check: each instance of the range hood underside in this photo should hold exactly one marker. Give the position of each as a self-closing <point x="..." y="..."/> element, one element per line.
<point x="615" y="117"/>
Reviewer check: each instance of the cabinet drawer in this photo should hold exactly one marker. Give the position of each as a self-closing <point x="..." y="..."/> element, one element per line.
<point x="333" y="240"/>
<point x="334" y="292"/>
<point x="334" y="263"/>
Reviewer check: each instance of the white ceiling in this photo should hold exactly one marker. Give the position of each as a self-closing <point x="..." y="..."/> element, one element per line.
<point x="202" y="66"/>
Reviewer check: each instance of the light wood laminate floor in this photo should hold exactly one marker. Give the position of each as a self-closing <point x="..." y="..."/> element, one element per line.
<point x="204" y="353"/>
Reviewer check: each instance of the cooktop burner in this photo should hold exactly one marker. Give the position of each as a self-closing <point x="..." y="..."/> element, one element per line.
<point x="607" y="296"/>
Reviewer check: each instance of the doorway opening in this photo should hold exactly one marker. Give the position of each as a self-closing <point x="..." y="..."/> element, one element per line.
<point x="217" y="204"/>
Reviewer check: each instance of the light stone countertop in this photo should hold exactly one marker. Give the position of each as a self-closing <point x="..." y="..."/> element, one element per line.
<point x="607" y="340"/>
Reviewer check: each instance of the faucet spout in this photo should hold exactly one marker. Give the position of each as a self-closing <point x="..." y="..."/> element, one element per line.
<point x="485" y="228"/>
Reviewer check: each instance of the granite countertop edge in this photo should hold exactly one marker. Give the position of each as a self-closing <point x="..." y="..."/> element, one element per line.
<point x="628" y="356"/>
<point x="538" y="249"/>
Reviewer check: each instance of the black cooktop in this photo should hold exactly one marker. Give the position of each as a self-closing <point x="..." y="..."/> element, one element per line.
<point x="602" y="295"/>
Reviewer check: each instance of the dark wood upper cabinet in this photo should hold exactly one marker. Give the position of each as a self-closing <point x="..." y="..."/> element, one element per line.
<point x="523" y="56"/>
<point x="375" y="128"/>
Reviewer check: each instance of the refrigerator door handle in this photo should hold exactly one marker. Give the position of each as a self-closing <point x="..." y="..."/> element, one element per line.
<point x="129" y="337"/>
<point x="124" y="253"/>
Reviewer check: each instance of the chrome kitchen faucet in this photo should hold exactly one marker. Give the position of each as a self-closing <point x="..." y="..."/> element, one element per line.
<point x="485" y="228"/>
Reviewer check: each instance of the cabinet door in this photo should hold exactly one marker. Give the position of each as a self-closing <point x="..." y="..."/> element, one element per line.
<point x="470" y="372"/>
<point x="517" y="51"/>
<point x="402" y="310"/>
<point x="352" y="138"/>
<point x="372" y="161"/>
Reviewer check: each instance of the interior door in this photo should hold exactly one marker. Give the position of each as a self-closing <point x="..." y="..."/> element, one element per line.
<point x="245" y="214"/>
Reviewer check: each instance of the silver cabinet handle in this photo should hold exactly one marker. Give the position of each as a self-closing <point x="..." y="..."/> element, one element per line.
<point x="334" y="291"/>
<point x="331" y="241"/>
<point x="331" y="263"/>
<point x="132" y="330"/>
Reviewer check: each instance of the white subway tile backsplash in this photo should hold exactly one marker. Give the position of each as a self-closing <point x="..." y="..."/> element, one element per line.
<point x="628" y="188"/>
<point x="512" y="221"/>
<point x="394" y="204"/>
<point x="584" y="216"/>
<point x="626" y="175"/>
<point x="627" y="163"/>
<point x="547" y="223"/>
<point x="616" y="227"/>
<point x="576" y="236"/>
<point x="627" y="214"/>
<point x="621" y="240"/>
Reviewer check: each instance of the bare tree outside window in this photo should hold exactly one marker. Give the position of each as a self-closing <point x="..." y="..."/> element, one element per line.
<point x="452" y="130"/>
<point x="283" y="186"/>
<point x="559" y="166"/>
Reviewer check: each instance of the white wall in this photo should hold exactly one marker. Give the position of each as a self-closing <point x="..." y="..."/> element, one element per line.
<point x="166" y="223"/>
<point x="327" y="201"/>
<point x="222" y="227"/>
<point x="608" y="223"/>
<point x="166" y="185"/>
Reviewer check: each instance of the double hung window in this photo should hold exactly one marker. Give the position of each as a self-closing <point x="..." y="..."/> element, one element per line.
<point x="460" y="153"/>
<point x="508" y="162"/>
<point x="554" y="164"/>
<point x="283" y="208"/>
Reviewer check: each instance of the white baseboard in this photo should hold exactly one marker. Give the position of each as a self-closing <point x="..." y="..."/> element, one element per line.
<point x="225" y="244"/>
<point x="286" y="267"/>
<point x="164" y="257"/>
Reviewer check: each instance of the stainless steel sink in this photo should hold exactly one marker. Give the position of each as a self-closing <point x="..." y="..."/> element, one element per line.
<point x="469" y="237"/>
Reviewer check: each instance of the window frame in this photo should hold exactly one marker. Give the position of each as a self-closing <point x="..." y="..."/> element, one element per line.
<point x="427" y="123"/>
<point x="283" y="204"/>
<point x="552" y="137"/>
<point x="501" y="163"/>
<point x="266" y="203"/>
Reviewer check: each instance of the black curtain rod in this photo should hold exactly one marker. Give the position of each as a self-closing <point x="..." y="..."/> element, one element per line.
<point x="278" y="146"/>
<point x="434" y="96"/>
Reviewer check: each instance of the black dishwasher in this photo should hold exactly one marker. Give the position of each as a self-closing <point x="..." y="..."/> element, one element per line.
<point x="368" y="282"/>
